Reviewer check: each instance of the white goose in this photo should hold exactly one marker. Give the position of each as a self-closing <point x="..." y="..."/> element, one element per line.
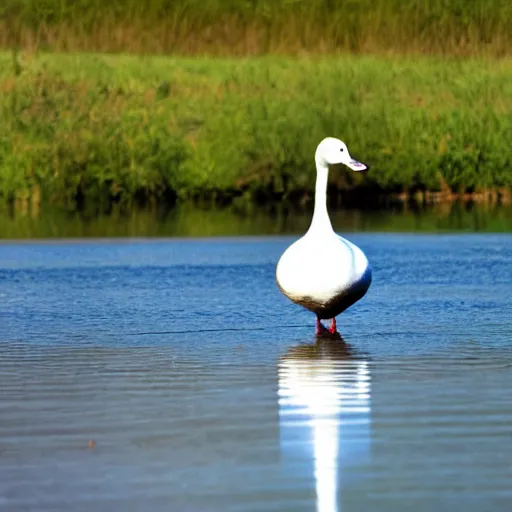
<point x="322" y="271"/>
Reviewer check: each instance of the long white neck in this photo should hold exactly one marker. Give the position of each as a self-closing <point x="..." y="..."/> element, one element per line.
<point x="321" y="220"/>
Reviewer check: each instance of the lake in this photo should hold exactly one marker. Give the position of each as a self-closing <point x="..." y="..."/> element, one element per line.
<point x="171" y="374"/>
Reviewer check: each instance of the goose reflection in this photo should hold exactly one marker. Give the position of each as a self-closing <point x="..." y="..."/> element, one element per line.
<point x="324" y="413"/>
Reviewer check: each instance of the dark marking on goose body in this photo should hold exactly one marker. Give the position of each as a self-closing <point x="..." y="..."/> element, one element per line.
<point x="333" y="307"/>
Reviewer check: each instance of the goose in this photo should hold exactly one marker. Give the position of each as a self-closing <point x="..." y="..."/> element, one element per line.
<point x="322" y="271"/>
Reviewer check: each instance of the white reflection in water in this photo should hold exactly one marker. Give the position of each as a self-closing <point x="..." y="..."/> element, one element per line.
<point x="324" y="414"/>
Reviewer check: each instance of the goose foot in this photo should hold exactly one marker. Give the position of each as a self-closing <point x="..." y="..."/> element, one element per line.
<point x="320" y="329"/>
<point x="332" y="328"/>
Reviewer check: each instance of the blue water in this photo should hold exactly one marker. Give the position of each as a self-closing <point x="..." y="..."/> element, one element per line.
<point x="203" y="388"/>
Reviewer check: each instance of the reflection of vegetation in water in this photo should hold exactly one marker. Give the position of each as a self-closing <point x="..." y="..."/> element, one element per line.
<point x="102" y="129"/>
<point x="195" y="222"/>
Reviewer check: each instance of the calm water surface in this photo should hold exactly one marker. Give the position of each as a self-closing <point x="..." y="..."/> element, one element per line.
<point x="204" y="390"/>
<point x="193" y="221"/>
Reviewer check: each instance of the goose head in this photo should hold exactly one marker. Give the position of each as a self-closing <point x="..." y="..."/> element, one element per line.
<point x="333" y="151"/>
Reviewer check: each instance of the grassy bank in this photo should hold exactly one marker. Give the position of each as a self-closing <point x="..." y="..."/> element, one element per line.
<point x="255" y="27"/>
<point x="116" y="128"/>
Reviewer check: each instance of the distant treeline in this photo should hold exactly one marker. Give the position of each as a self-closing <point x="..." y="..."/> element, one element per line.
<point x="256" y="27"/>
<point x="103" y="129"/>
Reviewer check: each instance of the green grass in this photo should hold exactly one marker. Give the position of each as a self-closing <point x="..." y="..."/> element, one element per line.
<point x="97" y="128"/>
<point x="255" y="27"/>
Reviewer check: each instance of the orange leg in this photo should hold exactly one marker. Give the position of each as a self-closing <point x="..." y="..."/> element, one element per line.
<point x="319" y="326"/>
<point x="332" y="328"/>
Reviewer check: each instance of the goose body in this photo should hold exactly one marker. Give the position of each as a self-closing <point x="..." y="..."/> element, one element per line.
<point x="322" y="271"/>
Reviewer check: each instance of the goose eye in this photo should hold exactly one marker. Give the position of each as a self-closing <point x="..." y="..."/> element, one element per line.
<point x="341" y="149"/>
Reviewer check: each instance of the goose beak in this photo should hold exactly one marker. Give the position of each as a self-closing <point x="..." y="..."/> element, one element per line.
<point x="356" y="166"/>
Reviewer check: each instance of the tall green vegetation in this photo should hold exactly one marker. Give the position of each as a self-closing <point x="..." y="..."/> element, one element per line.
<point x="255" y="27"/>
<point x="111" y="128"/>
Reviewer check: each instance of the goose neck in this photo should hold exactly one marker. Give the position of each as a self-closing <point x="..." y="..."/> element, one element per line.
<point x="321" y="220"/>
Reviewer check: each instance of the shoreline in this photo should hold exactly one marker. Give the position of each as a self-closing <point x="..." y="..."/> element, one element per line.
<point x="363" y="201"/>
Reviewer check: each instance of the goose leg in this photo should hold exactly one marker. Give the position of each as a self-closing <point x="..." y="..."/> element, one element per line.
<point x="319" y="326"/>
<point x="332" y="328"/>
